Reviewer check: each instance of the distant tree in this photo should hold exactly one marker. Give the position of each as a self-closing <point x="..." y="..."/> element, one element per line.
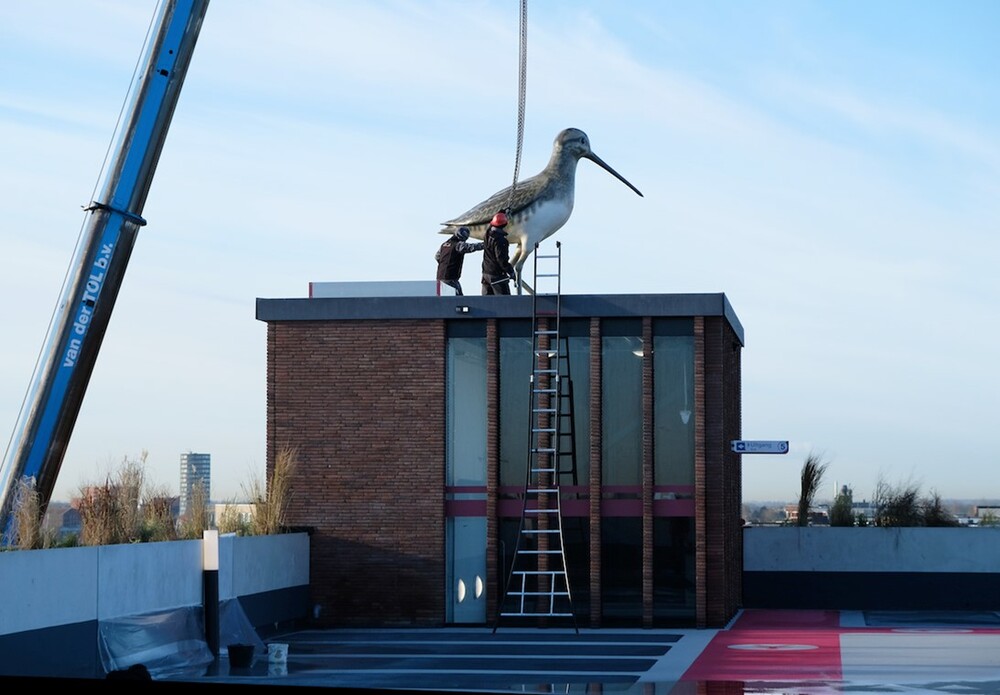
<point x="762" y="514"/>
<point x="935" y="513"/>
<point x="840" y="510"/>
<point x="897" y="505"/>
<point x="989" y="519"/>
<point x="813" y="470"/>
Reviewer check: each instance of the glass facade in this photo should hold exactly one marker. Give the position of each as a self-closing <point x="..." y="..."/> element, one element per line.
<point x="622" y="356"/>
<point x="621" y="470"/>
<point x="673" y="470"/>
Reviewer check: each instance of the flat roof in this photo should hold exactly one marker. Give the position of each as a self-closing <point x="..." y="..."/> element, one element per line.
<point x="497" y="307"/>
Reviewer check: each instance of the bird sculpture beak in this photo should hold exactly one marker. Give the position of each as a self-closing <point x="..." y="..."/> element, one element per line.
<point x="601" y="163"/>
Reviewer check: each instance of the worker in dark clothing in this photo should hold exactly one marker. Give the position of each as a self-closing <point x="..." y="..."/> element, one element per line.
<point x="497" y="270"/>
<point x="451" y="256"/>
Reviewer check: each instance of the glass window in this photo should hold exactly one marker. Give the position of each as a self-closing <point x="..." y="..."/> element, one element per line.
<point x="621" y="570"/>
<point x="466" y="410"/>
<point x="575" y="426"/>
<point x="621" y="401"/>
<point x="515" y="399"/>
<point x="673" y="571"/>
<point x="674" y="419"/>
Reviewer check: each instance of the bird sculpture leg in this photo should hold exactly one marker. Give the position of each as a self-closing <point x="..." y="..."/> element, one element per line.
<point x="521" y="284"/>
<point x="518" y="263"/>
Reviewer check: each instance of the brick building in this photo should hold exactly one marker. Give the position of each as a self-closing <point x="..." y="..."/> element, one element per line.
<point x="410" y="418"/>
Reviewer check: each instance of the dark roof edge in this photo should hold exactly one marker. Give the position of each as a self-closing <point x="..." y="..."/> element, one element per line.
<point x="480" y="307"/>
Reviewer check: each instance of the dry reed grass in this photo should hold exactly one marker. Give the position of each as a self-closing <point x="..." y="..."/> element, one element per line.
<point x="112" y="512"/>
<point x="196" y="520"/>
<point x="272" y="496"/>
<point x="157" y="518"/>
<point x="813" y="471"/>
<point x="27" y="528"/>
<point x="118" y="511"/>
<point x="232" y="520"/>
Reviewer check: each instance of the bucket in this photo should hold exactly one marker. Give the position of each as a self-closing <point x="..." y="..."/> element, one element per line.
<point x="277" y="653"/>
<point x="240" y="655"/>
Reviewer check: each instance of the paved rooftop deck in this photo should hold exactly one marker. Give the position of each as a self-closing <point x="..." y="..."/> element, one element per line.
<point x="761" y="651"/>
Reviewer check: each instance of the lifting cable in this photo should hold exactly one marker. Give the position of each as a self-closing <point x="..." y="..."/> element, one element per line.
<point x="522" y="79"/>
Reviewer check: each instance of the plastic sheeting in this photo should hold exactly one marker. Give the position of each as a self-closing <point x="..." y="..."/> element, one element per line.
<point x="172" y="643"/>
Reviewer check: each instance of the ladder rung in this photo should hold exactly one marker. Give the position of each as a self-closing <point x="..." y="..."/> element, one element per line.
<point x="535" y="615"/>
<point x="546" y="410"/>
<point x="543" y="470"/>
<point x="539" y="552"/>
<point x="538" y="593"/>
<point x="543" y="491"/>
<point x="532" y="573"/>
<point x="540" y="530"/>
<point x="541" y="511"/>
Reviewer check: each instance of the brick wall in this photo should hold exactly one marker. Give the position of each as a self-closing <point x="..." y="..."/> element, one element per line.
<point x="363" y="404"/>
<point x="722" y="529"/>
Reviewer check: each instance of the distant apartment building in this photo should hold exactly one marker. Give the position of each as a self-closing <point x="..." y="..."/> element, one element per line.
<point x="196" y="469"/>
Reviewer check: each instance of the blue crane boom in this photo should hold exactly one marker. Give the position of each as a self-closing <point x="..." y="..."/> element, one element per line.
<point x="74" y="337"/>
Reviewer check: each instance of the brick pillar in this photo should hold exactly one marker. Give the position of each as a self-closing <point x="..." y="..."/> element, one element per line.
<point x="647" y="472"/>
<point x="595" y="473"/>
<point x="700" y="492"/>
<point x="494" y="581"/>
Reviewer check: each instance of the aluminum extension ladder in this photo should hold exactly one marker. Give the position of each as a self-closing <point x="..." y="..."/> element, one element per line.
<point x="537" y="589"/>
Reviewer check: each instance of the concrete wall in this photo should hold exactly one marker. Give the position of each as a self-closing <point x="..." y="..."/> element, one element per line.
<point x="54" y="600"/>
<point x="871" y="568"/>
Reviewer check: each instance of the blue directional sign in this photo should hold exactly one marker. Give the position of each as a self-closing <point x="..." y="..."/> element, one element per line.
<point x="760" y="447"/>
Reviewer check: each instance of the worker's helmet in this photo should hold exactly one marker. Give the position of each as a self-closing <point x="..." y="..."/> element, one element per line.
<point x="499" y="220"/>
<point x="462" y="233"/>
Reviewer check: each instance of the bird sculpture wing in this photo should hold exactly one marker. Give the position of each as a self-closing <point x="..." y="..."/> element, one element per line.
<point x="480" y="215"/>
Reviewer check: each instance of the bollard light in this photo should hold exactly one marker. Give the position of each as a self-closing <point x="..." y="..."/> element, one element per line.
<point x="210" y="584"/>
<point x="210" y="550"/>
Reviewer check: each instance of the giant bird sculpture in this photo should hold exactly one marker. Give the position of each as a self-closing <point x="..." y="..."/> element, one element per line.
<point x="540" y="205"/>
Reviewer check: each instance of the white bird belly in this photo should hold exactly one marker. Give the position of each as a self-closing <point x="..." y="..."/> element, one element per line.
<point x="545" y="219"/>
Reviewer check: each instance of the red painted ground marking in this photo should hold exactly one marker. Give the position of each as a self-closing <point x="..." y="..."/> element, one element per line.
<point x="773" y="646"/>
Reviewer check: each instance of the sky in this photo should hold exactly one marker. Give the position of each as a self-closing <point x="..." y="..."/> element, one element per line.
<point x="832" y="167"/>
